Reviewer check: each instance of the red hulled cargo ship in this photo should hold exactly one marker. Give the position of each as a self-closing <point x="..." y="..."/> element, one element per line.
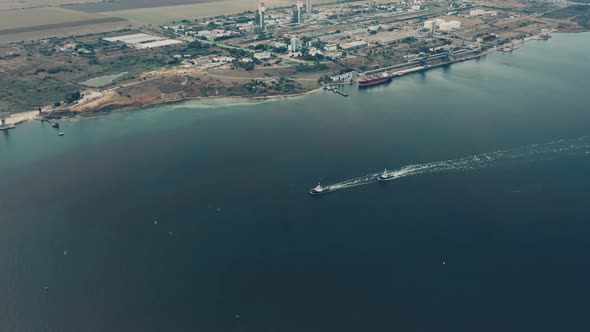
<point x="375" y="80"/>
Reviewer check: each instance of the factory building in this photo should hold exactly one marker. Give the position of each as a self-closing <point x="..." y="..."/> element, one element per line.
<point x="353" y="45"/>
<point x="442" y="25"/>
<point x="448" y="26"/>
<point x="295" y="44"/>
<point x="143" y="40"/>
<point x="481" y="12"/>
<point x="433" y="23"/>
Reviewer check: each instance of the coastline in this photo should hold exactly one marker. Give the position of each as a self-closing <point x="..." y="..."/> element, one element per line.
<point x="20" y="117"/>
<point x="134" y="107"/>
<point x="67" y="113"/>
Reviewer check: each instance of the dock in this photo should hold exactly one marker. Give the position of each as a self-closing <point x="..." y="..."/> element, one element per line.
<point x="418" y="65"/>
<point x="53" y="124"/>
<point x="336" y="91"/>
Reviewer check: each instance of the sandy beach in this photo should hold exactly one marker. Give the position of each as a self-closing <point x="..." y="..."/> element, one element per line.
<point x="17" y="118"/>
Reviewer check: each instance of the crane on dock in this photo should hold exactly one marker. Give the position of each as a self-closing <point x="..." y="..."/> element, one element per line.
<point x="448" y="55"/>
<point x="424" y="60"/>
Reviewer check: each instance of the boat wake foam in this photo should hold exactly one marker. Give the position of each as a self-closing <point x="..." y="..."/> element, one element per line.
<point x="530" y="153"/>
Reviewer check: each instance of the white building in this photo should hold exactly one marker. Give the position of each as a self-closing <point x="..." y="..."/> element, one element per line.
<point x="262" y="55"/>
<point x="280" y="45"/>
<point x="353" y="45"/>
<point x="68" y="47"/>
<point x="143" y="40"/>
<point x="331" y="47"/>
<point x="442" y="25"/>
<point x="448" y="26"/>
<point x="314" y="51"/>
<point x="223" y="59"/>
<point x="436" y="22"/>
<point x="481" y="12"/>
<point x="295" y="44"/>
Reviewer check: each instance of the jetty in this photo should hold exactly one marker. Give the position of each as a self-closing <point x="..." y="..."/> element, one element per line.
<point x="426" y="62"/>
<point x="53" y="124"/>
<point x="336" y="91"/>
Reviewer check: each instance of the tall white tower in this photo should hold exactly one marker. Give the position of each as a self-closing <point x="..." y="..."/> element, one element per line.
<point x="261" y="10"/>
<point x="299" y="8"/>
<point x="308" y="7"/>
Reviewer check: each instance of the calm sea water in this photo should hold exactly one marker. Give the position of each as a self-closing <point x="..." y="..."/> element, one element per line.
<point x="240" y="245"/>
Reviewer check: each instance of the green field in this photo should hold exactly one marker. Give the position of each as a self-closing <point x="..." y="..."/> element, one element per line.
<point x="578" y="13"/>
<point x="12" y="19"/>
<point x="39" y="23"/>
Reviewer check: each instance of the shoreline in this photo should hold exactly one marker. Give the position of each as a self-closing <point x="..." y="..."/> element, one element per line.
<point x="130" y="108"/>
<point x="20" y="117"/>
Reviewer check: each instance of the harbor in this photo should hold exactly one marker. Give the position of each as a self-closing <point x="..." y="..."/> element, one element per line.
<point x="425" y="62"/>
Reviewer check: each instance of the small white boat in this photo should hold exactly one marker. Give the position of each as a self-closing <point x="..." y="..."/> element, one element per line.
<point x="386" y="176"/>
<point x="318" y="190"/>
<point x="61" y="133"/>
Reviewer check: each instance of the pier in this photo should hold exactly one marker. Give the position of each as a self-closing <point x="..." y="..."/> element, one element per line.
<point x="425" y="63"/>
<point x="336" y="91"/>
<point x="54" y="124"/>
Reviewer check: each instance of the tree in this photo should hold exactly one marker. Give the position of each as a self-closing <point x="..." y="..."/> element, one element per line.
<point x="194" y="44"/>
<point x="72" y="96"/>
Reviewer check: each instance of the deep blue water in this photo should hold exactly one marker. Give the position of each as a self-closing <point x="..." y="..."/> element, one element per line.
<point x="238" y="235"/>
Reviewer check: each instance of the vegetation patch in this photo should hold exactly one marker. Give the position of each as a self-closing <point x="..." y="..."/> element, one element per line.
<point x="577" y="13"/>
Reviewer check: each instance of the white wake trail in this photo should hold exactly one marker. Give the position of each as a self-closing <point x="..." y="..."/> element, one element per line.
<point x="534" y="152"/>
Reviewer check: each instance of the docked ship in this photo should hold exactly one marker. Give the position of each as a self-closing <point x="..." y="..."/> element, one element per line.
<point x="375" y="80"/>
<point x="386" y="176"/>
<point x="318" y="190"/>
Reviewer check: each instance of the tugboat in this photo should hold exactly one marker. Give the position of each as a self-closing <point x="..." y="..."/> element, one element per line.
<point x="318" y="190"/>
<point x="386" y="176"/>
